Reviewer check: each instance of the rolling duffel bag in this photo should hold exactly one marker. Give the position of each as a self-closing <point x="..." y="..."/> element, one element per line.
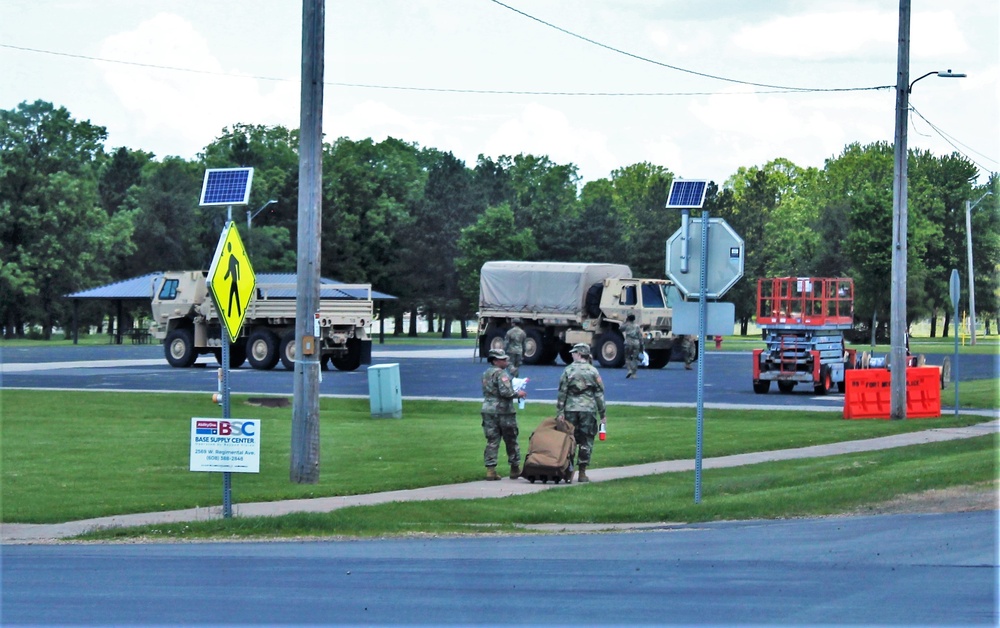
<point x="550" y="452"/>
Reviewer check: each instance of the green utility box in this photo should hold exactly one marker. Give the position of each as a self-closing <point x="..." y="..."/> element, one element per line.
<point x="384" y="391"/>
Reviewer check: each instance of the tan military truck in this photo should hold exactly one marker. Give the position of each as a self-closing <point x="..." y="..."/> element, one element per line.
<point x="560" y="304"/>
<point x="185" y="319"/>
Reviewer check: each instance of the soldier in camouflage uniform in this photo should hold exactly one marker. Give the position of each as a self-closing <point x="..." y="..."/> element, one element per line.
<point x="687" y="345"/>
<point x="513" y="346"/>
<point x="633" y="344"/>
<point x="499" y="416"/>
<point x="581" y="401"/>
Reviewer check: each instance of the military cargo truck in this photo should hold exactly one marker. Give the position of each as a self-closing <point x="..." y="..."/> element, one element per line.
<point x="560" y="304"/>
<point x="185" y="319"/>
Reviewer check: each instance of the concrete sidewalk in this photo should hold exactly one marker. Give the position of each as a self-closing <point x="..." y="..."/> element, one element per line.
<point x="12" y="533"/>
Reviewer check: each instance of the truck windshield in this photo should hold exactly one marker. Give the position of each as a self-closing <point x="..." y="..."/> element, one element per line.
<point x="652" y="295"/>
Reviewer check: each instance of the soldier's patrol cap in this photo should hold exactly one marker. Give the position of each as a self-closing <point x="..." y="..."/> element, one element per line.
<point x="582" y="348"/>
<point x="497" y="354"/>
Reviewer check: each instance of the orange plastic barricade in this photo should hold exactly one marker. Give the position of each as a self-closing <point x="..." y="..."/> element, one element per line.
<point x="868" y="393"/>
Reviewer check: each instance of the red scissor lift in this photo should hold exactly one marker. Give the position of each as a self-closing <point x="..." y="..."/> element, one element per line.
<point x="802" y="320"/>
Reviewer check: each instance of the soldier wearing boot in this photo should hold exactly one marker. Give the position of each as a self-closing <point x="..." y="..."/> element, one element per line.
<point x="581" y="402"/>
<point x="499" y="416"/>
<point x="633" y="344"/>
<point x="513" y="345"/>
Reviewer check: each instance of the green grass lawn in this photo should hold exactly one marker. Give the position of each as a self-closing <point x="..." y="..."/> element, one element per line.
<point x="76" y="455"/>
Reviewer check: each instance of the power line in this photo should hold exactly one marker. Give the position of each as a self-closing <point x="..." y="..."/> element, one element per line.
<point x="450" y="90"/>
<point x="954" y="143"/>
<point x="784" y="88"/>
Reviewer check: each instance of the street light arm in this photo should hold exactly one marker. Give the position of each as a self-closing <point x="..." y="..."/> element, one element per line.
<point x="940" y="73"/>
<point x="263" y="207"/>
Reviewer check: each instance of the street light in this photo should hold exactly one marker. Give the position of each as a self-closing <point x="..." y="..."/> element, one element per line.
<point x="969" y="206"/>
<point x="250" y="216"/>
<point x="897" y="353"/>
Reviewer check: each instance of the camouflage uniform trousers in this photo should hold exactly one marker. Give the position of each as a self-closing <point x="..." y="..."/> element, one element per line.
<point x="687" y="345"/>
<point x="495" y="427"/>
<point x="632" y="352"/>
<point x="516" y="358"/>
<point x="586" y="429"/>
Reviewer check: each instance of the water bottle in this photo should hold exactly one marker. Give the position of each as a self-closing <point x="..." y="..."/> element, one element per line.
<point x="602" y="433"/>
<point x="520" y="403"/>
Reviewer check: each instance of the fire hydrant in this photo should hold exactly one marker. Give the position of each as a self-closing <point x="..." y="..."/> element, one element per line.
<point x="718" y="342"/>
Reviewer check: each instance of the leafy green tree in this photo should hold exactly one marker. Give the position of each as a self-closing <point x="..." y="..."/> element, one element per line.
<point x="272" y="151"/>
<point x="640" y="196"/>
<point x="54" y="235"/>
<point x="597" y="231"/>
<point x="450" y="203"/>
<point x="495" y="236"/>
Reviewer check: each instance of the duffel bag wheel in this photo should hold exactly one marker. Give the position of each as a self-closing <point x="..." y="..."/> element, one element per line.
<point x="531" y="478"/>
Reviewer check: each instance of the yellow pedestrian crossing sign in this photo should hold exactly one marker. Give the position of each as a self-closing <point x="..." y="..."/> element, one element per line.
<point x="231" y="280"/>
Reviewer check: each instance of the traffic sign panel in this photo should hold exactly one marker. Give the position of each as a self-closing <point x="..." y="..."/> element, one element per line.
<point x="231" y="280"/>
<point x="725" y="259"/>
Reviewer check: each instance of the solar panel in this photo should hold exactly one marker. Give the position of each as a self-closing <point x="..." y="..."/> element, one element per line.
<point x="226" y="186"/>
<point x="686" y="194"/>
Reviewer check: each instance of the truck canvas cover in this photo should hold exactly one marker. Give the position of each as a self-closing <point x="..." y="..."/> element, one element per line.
<point x="542" y="287"/>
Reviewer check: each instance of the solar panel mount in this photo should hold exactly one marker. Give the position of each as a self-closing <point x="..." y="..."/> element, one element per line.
<point x="226" y="186"/>
<point x="686" y="194"/>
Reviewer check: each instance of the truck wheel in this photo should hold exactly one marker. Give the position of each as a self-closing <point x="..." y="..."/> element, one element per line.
<point x="237" y="355"/>
<point x="534" y="346"/>
<point x="658" y="358"/>
<point x="564" y="354"/>
<point x="495" y="339"/>
<point x="611" y="350"/>
<point x="824" y="384"/>
<point x="286" y="350"/>
<point x="351" y="360"/>
<point x="262" y="349"/>
<point x="762" y="386"/>
<point x="179" y="348"/>
<point x="551" y="350"/>
<point x="786" y="387"/>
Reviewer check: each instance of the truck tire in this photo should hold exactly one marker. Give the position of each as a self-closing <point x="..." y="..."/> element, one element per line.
<point x="286" y="350"/>
<point x="762" y="386"/>
<point x="495" y="339"/>
<point x="351" y="360"/>
<point x="237" y="354"/>
<point x="786" y="387"/>
<point x="534" y="346"/>
<point x="551" y="350"/>
<point x="262" y="349"/>
<point x="179" y="348"/>
<point x="611" y="349"/>
<point x="658" y="358"/>
<point x="564" y="354"/>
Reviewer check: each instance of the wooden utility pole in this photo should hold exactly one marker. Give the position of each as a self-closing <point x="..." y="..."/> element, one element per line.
<point x="305" y="409"/>
<point x="897" y="323"/>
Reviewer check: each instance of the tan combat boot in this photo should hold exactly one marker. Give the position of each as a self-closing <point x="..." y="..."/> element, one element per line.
<point x="582" y="476"/>
<point x="491" y="473"/>
<point x="515" y="472"/>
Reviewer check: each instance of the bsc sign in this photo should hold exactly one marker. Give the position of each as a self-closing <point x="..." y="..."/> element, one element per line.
<point x="231" y="280"/>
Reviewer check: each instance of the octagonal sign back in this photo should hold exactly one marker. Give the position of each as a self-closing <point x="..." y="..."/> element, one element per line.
<point x="725" y="259"/>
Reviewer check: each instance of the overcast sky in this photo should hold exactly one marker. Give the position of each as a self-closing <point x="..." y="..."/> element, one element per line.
<point x="196" y="66"/>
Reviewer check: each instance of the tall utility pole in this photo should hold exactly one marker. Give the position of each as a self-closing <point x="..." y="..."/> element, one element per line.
<point x="305" y="410"/>
<point x="897" y="324"/>
<point x="969" y="206"/>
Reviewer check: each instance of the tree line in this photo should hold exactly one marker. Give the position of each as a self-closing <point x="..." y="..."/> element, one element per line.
<point x="418" y="222"/>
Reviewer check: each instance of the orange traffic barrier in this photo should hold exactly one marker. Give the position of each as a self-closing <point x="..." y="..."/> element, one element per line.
<point x="868" y="393"/>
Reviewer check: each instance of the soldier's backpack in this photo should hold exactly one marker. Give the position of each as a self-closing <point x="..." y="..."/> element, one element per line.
<point x="550" y="452"/>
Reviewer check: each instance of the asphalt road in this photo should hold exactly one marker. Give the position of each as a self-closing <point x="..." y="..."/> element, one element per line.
<point x="880" y="570"/>
<point x="432" y="372"/>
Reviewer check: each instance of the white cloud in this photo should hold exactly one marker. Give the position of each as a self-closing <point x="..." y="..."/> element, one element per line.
<point x="189" y="108"/>
<point x="842" y="34"/>
<point x="540" y="130"/>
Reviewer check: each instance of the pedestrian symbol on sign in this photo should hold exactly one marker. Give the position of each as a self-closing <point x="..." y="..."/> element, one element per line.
<point x="231" y="280"/>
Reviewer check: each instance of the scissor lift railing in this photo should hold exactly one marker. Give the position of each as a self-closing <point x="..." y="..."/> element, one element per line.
<point x="802" y="320"/>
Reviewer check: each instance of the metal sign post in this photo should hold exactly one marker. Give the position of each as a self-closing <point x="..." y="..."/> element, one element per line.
<point x="954" y="291"/>
<point x="229" y="186"/>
